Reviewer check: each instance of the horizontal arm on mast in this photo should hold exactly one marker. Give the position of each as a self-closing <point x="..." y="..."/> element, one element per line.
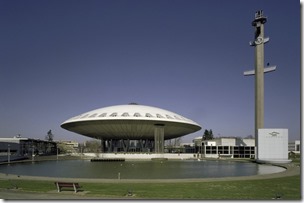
<point x="266" y="70"/>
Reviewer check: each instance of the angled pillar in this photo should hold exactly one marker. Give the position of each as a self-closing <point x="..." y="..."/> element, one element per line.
<point x="125" y="145"/>
<point x="159" y="132"/>
<point x="110" y="145"/>
<point x="141" y="145"/>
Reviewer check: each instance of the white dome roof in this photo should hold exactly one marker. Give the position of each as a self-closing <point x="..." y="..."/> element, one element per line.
<point x="131" y="112"/>
<point x="117" y="121"/>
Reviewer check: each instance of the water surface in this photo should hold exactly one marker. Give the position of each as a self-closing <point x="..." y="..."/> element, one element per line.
<point x="139" y="169"/>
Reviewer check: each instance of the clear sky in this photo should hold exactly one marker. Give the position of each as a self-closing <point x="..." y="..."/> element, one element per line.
<point x="61" y="58"/>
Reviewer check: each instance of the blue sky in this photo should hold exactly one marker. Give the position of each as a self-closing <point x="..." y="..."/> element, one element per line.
<point x="60" y="58"/>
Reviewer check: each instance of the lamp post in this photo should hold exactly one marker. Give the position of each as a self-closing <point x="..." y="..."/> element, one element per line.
<point x="8" y="153"/>
<point x="57" y="151"/>
<point x="33" y="155"/>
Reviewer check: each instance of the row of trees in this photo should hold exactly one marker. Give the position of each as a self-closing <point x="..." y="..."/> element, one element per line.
<point x="208" y="135"/>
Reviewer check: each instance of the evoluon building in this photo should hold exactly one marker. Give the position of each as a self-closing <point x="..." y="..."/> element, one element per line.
<point x="122" y="128"/>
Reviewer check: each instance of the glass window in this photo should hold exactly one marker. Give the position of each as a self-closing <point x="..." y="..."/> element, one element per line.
<point x="148" y="115"/>
<point x="169" y="117"/>
<point x="137" y="115"/>
<point x="159" y="116"/>
<point x="125" y="114"/>
<point x="102" y="115"/>
<point x="113" y="115"/>
<point x="93" y="115"/>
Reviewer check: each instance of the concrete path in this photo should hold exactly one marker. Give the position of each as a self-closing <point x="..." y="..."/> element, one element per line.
<point x="8" y="194"/>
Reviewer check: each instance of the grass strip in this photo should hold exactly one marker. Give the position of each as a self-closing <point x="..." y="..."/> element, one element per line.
<point x="289" y="188"/>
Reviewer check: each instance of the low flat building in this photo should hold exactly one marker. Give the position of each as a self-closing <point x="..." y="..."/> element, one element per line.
<point x="19" y="147"/>
<point x="230" y="147"/>
<point x="68" y="146"/>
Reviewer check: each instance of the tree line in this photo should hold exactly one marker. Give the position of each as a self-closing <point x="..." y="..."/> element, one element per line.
<point x="208" y="135"/>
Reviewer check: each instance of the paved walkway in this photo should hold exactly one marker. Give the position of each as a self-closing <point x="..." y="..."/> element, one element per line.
<point x="8" y="194"/>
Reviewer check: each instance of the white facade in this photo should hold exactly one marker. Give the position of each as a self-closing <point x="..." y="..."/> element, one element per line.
<point x="13" y="140"/>
<point x="210" y="143"/>
<point x="225" y="141"/>
<point x="272" y="146"/>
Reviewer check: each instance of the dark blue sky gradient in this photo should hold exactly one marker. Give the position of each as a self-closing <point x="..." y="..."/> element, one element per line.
<point x="61" y="58"/>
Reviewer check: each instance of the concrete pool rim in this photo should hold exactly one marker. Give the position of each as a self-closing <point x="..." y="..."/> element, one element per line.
<point x="290" y="170"/>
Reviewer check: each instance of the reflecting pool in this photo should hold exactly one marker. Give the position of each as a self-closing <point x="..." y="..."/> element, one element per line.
<point x="139" y="169"/>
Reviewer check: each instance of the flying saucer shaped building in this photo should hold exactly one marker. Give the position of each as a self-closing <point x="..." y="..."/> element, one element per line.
<point x="117" y="125"/>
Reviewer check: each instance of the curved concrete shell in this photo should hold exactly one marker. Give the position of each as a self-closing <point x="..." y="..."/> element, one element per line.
<point x="130" y="122"/>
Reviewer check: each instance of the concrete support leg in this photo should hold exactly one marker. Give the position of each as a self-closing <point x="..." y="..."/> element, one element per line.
<point x="102" y="146"/>
<point x="140" y="145"/>
<point x="110" y="146"/>
<point x="159" y="132"/>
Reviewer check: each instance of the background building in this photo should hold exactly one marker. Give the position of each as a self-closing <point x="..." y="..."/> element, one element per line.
<point x="68" y="146"/>
<point x="20" y="148"/>
<point x="294" y="146"/>
<point x="230" y="147"/>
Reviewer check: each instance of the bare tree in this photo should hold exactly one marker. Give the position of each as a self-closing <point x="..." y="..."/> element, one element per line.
<point x="177" y="141"/>
<point x="92" y="146"/>
<point x="49" y="136"/>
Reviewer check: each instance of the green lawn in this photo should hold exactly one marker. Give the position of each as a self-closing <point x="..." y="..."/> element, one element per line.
<point x="288" y="187"/>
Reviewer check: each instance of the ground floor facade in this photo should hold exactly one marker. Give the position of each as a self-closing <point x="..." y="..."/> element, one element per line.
<point x="122" y="145"/>
<point x="228" y="151"/>
<point x="229" y="147"/>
